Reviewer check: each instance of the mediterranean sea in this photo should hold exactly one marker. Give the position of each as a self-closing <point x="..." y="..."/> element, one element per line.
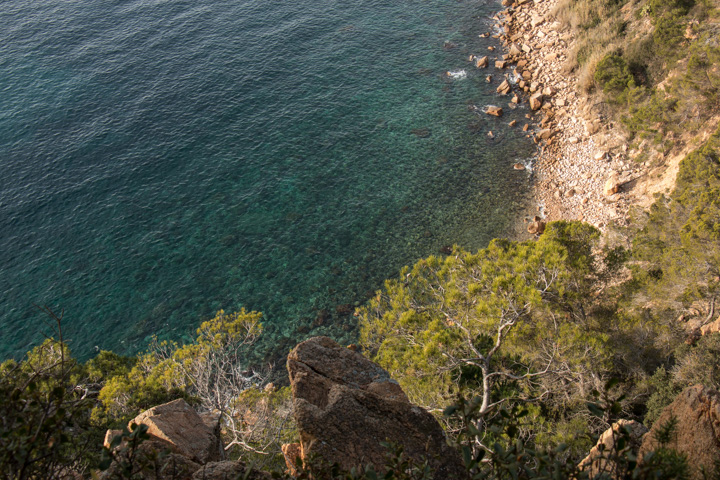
<point x="164" y="159"/>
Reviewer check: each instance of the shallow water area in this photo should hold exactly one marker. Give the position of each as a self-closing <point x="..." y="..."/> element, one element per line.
<point x="163" y="160"/>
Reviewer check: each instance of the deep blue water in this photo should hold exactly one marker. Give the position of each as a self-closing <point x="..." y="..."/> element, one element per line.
<point x="160" y="160"/>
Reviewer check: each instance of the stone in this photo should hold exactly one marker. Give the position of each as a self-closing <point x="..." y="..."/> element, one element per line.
<point x="488" y="79"/>
<point x="345" y="405"/>
<point x="178" y="425"/>
<point x="504" y="88"/>
<point x="697" y="432"/>
<point x="515" y="50"/>
<point x="710" y="328"/>
<point x="536" y="101"/>
<point x="494" y="111"/>
<point x="512" y="123"/>
<point x="545" y="134"/>
<point x="109" y="435"/>
<point x="592" y="127"/>
<point x="292" y="452"/>
<point x="515" y="99"/>
<point x="481" y="62"/>
<point x="549" y="91"/>
<point x="500" y="64"/>
<point x="573" y="140"/>
<point x="228" y="470"/>
<point x="536" y="20"/>
<point x="526" y="48"/>
<point x="602" y="457"/>
<point x="536" y="227"/>
<point x="519" y="166"/>
<point x="526" y="127"/>
<point x="612" y="185"/>
<point x="599" y="155"/>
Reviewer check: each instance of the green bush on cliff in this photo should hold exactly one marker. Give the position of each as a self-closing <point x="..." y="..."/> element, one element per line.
<point x="44" y="416"/>
<point x="613" y="75"/>
<point x="508" y="322"/>
<point x="677" y="253"/>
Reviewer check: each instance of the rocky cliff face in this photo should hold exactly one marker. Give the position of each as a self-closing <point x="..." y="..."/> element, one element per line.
<point x="697" y="433"/>
<point x="346" y="407"/>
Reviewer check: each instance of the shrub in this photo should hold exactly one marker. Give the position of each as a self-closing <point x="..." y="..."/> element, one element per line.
<point x="613" y="75"/>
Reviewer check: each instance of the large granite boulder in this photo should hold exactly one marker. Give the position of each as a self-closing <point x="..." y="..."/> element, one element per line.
<point x="346" y="406"/>
<point x="179" y="426"/>
<point x="697" y="433"/>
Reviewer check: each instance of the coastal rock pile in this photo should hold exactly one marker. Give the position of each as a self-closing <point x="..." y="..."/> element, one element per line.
<point x="571" y="129"/>
<point x="346" y="406"/>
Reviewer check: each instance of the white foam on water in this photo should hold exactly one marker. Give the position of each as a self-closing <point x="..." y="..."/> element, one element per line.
<point x="456" y="74"/>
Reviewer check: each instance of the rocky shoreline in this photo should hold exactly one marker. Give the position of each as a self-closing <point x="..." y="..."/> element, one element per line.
<point x="583" y="170"/>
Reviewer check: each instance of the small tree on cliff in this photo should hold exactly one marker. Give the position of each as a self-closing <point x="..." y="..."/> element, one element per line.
<point x="211" y="372"/>
<point x="514" y="311"/>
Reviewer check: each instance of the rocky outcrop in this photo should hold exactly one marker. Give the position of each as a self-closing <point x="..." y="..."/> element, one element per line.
<point x="179" y="426"/>
<point x="346" y="406"/>
<point x="697" y="432"/>
<point x="603" y="458"/>
<point x="183" y="445"/>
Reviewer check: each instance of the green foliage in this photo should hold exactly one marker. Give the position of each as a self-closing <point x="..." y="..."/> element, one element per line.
<point x="668" y="34"/>
<point x="169" y="371"/>
<point x="497" y="323"/>
<point x="613" y="75"/>
<point x="664" y="392"/>
<point x="677" y="253"/>
<point x="44" y="425"/>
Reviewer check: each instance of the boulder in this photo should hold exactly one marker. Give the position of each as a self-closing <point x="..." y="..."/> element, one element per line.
<point x="712" y="327"/>
<point x="515" y="50"/>
<point x="536" y="101"/>
<point x="481" y="62"/>
<point x="178" y="425"/>
<point x="504" y="88"/>
<point x="500" y="64"/>
<point x="346" y="405"/>
<point x="603" y="457"/>
<point x="545" y="134"/>
<point x="697" y="432"/>
<point x="291" y="452"/>
<point x="536" y="228"/>
<point x="612" y="185"/>
<point x="494" y="111"/>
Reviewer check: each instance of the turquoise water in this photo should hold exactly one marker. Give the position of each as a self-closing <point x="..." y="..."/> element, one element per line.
<point x="164" y="159"/>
